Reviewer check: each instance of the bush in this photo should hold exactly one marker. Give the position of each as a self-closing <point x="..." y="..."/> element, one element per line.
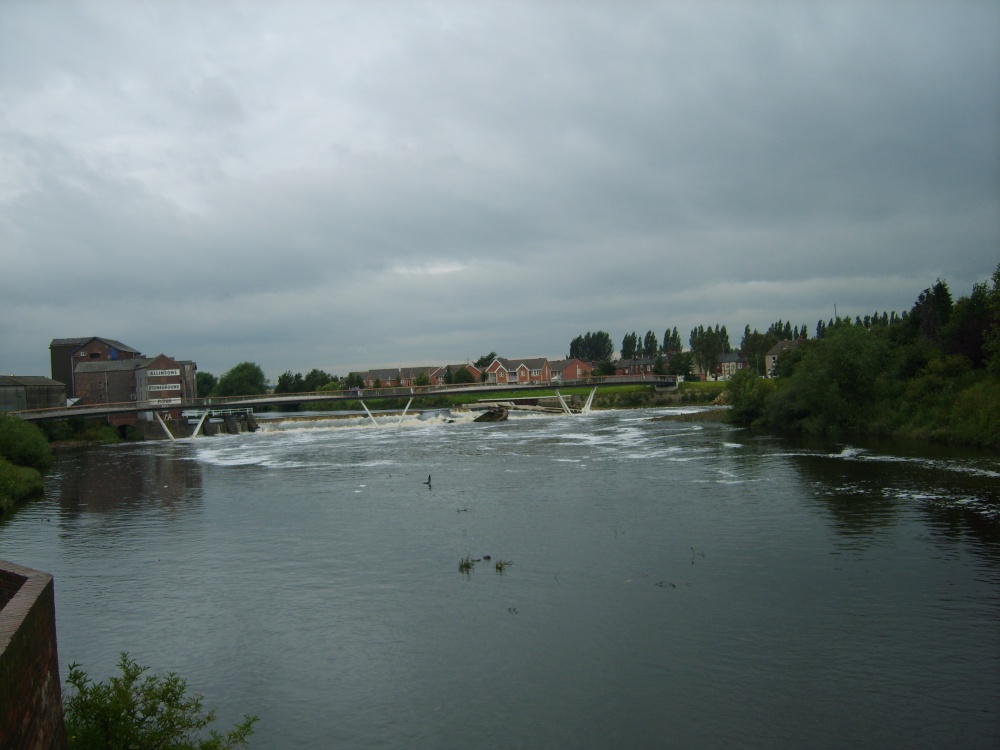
<point x="17" y="484"/>
<point x="975" y="415"/>
<point x="23" y="444"/>
<point x="132" y="711"/>
<point x="747" y="396"/>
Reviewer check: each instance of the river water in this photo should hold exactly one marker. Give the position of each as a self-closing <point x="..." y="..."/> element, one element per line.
<point x="670" y="584"/>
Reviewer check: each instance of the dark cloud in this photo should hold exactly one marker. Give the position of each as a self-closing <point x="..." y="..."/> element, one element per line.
<point x="355" y="184"/>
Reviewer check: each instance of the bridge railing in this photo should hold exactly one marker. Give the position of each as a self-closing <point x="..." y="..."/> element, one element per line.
<point x="222" y="402"/>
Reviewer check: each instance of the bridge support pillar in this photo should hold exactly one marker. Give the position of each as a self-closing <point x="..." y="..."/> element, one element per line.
<point x="590" y="400"/>
<point x="200" y="423"/>
<point x="401" y="416"/>
<point x="369" y="414"/>
<point x="562" y="401"/>
<point x="164" y="425"/>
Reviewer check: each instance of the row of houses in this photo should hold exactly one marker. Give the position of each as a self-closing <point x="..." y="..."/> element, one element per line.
<point x="502" y="371"/>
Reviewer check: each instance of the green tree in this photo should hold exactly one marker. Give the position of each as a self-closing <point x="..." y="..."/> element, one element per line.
<point x="681" y="365"/>
<point x="755" y="345"/>
<point x="605" y="367"/>
<point x="205" y="383"/>
<point x="592" y="347"/>
<point x="463" y="376"/>
<point x="485" y="360"/>
<point x="931" y="312"/>
<point x="149" y="713"/>
<point x="316" y="379"/>
<point x="23" y="444"/>
<point x="650" y="346"/>
<point x="353" y="380"/>
<point x="671" y="341"/>
<point x="246" y="379"/>
<point x="748" y="395"/>
<point x="991" y="337"/>
<point x="630" y="346"/>
<point x="289" y="383"/>
<point x="845" y="382"/>
<point x="422" y="379"/>
<point x="707" y="347"/>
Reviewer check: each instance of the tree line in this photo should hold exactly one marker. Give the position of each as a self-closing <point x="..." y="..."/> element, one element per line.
<point x="931" y="372"/>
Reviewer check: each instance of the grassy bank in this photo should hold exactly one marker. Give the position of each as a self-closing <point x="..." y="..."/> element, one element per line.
<point x="609" y="397"/>
<point x="24" y="456"/>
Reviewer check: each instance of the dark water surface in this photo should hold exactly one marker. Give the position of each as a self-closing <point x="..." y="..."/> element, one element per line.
<point x="671" y="584"/>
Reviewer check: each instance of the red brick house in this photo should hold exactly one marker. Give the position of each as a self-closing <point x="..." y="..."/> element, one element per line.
<point x="408" y="375"/>
<point x="438" y="377"/>
<point x="386" y="378"/>
<point x="635" y="367"/>
<point x="66" y="354"/>
<point x="518" y="371"/>
<point x="570" y="369"/>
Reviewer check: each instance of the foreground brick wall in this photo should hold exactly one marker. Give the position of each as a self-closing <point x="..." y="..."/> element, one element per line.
<point x="31" y="715"/>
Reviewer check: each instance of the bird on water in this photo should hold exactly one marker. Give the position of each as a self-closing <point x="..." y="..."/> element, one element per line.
<point x="428" y="482"/>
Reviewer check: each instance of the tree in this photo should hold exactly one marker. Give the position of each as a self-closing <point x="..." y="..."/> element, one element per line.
<point x="650" y="346"/>
<point x="353" y="380"/>
<point x="486" y="360"/>
<point x="315" y="380"/>
<point x="708" y="346"/>
<point x="671" y="341"/>
<point x="592" y="347"/>
<point x="991" y="337"/>
<point x="288" y="383"/>
<point x="930" y="313"/>
<point x="681" y="365"/>
<point x="246" y="379"/>
<point x="630" y="346"/>
<point x="422" y="378"/>
<point x="23" y="443"/>
<point x="755" y="345"/>
<point x="205" y="383"/>
<point x="132" y="711"/>
<point x="748" y="393"/>
<point x="845" y="382"/>
<point x="604" y="367"/>
<point x="463" y="376"/>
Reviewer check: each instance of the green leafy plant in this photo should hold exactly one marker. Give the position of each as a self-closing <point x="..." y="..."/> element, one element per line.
<point x="145" y="712"/>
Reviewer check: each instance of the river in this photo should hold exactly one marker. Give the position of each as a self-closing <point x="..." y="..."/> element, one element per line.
<point x="667" y="584"/>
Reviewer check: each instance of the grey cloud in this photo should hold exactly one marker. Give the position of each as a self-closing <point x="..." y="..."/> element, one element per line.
<point x="355" y="184"/>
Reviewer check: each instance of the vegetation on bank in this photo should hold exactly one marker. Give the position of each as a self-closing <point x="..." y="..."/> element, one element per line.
<point x="135" y="710"/>
<point x="933" y="373"/>
<point x="609" y="397"/>
<point x="24" y="456"/>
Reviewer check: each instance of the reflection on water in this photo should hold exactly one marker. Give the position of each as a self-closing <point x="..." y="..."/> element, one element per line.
<point x="125" y="478"/>
<point x="671" y="584"/>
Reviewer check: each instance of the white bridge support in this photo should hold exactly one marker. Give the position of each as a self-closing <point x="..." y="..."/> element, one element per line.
<point x="562" y="401"/>
<point x="164" y="426"/>
<point x="369" y="414"/>
<point x="590" y="401"/>
<point x="200" y="423"/>
<point x="401" y="416"/>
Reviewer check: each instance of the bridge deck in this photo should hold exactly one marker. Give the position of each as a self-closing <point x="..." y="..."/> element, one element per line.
<point x="366" y="394"/>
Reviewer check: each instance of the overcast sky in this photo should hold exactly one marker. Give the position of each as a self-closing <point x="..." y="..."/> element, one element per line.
<point x="347" y="185"/>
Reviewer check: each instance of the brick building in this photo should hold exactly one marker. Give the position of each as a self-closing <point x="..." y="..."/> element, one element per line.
<point x="66" y="354"/>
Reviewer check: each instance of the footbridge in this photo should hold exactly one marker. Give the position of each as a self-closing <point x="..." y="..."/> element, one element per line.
<point x="202" y="407"/>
